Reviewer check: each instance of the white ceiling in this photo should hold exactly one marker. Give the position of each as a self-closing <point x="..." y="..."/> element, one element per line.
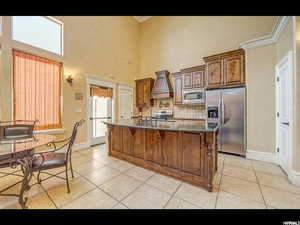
<point x="142" y="18"/>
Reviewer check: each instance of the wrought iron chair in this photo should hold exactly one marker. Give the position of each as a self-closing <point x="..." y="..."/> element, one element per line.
<point x="52" y="159"/>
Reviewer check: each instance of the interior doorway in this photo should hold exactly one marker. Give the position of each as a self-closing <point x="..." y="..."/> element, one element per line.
<point x="284" y="107"/>
<point x="101" y="110"/>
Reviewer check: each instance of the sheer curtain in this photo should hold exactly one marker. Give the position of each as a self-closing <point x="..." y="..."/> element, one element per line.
<point x="37" y="89"/>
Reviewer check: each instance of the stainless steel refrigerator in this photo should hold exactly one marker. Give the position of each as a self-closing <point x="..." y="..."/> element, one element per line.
<point x="227" y="106"/>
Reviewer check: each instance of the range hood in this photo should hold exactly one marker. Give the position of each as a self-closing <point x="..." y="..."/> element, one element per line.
<point x="162" y="86"/>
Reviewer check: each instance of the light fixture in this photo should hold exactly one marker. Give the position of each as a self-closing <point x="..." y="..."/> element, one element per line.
<point x="70" y="79"/>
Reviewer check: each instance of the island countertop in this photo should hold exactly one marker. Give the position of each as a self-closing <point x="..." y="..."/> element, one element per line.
<point x="178" y="125"/>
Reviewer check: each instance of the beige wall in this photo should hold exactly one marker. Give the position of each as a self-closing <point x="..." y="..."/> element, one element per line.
<point x="260" y="81"/>
<point x="102" y="45"/>
<point x="178" y="42"/>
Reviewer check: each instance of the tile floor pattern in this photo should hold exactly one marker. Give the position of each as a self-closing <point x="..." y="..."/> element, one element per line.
<point x="103" y="182"/>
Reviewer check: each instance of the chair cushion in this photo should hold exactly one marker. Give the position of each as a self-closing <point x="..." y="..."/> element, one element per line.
<point x="51" y="160"/>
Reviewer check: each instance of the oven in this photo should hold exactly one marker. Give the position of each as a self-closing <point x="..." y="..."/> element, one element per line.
<point x="194" y="96"/>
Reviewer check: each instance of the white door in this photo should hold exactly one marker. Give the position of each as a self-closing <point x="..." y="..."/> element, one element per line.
<point x="284" y="104"/>
<point x="125" y="103"/>
<point x="101" y="110"/>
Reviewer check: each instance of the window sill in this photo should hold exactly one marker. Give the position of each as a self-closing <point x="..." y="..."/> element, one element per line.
<point x="53" y="131"/>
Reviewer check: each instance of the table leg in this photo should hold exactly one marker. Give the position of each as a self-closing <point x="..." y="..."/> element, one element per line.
<point x="26" y="163"/>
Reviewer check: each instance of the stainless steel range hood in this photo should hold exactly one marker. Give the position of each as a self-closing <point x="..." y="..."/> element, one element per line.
<point x="162" y="86"/>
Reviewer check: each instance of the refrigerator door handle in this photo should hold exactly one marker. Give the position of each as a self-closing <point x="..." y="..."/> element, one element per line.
<point x="223" y="112"/>
<point x="219" y="111"/>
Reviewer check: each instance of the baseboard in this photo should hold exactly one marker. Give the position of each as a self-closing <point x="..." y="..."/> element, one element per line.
<point x="294" y="178"/>
<point x="261" y="156"/>
<point x="81" y="145"/>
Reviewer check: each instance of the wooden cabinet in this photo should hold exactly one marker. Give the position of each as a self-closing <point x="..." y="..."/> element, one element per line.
<point x="188" y="156"/>
<point x="193" y="77"/>
<point x="153" y="146"/>
<point x="116" y="141"/>
<point x="198" y="79"/>
<point x="143" y="92"/>
<point x="234" y="70"/>
<point x="214" y="74"/>
<point x="177" y="83"/>
<point x="187" y="80"/>
<point x="134" y="144"/>
<point x="192" y="155"/>
<point x="171" y="144"/>
<point x="225" y="69"/>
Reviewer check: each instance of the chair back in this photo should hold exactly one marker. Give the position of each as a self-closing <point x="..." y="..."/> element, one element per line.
<point x="73" y="136"/>
<point x="17" y="128"/>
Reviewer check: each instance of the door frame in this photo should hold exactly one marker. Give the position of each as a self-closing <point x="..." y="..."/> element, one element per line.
<point x="126" y="88"/>
<point x="97" y="80"/>
<point x="286" y="59"/>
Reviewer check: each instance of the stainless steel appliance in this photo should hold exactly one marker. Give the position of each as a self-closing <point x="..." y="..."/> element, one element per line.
<point x="194" y="96"/>
<point x="227" y="107"/>
<point x="162" y="113"/>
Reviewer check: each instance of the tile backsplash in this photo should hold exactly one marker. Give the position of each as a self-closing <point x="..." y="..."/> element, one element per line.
<point x="179" y="111"/>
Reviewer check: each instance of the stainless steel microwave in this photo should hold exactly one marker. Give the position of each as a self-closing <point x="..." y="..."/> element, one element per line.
<point x="194" y="96"/>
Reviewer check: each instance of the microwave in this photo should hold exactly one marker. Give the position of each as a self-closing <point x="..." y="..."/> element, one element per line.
<point x="193" y="96"/>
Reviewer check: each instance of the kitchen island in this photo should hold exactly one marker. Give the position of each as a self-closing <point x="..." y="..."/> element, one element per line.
<point x="185" y="150"/>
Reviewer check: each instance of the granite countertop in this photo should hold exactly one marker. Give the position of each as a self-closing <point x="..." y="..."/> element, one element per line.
<point x="178" y="125"/>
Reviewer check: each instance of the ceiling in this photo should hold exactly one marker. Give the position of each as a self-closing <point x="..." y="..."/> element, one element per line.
<point x="142" y="18"/>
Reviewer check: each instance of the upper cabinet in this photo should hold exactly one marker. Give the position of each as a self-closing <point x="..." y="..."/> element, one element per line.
<point x="143" y="92"/>
<point x="225" y="69"/>
<point x="177" y="83"/>
<point x="189" y="78"/>
<point x="193" y="77"/>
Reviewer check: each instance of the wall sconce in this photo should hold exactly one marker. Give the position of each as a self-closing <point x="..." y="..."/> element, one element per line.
<point x="70" y="80"/>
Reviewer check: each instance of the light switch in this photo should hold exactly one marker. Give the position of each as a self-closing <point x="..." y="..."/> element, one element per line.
<point x="77" y="110"/>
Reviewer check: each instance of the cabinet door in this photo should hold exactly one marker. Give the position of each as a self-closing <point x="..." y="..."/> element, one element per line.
<point x="192" y="156"/>
<point x="178" y="90"/>
<point x="116" y="139"/>
<point x="139" y="143"/>
<point x="140" y="93"/>
<point x="146" y="94"/>
<point x="170" y="149"/>
<point x="153" y="146"/>
<point x="198" y="79"/>
<point x="128" y="140"/>
<point x="187" y="80"/>
<point x="234" y="70"/>
<point x="214" y="74"/>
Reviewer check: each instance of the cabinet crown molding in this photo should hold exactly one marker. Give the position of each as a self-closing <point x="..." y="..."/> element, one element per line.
<point x="224" y="54"/>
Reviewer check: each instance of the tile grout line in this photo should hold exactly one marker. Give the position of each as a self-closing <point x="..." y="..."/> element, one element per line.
<point x="220" y="183"/>
<point x="259" y="185"/>
<point x="172" y="195"/>
<point x="47" y="193"/>
<point x="135" y="190"/>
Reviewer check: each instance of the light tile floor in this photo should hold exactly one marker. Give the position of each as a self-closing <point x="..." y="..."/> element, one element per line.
<point x="103" y="182"/>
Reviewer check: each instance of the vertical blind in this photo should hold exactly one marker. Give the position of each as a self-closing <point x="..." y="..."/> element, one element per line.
<point x="37" y="89"/>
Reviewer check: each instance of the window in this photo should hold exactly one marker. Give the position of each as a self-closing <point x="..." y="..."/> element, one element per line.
<point x="39" y="31"/>
<point x="37" y="90"/>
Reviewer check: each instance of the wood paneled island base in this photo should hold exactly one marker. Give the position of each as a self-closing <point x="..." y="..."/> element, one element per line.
<point x="187" y="156"/>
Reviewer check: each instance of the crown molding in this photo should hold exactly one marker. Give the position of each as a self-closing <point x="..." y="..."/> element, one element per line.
<point x="142" y="18"/>
<point x="271" y="38"/>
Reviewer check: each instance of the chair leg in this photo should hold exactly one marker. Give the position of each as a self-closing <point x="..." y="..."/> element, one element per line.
<point x="71" y="168"/>
<point x="39" y="180"/>
<point x="67" y="178"/>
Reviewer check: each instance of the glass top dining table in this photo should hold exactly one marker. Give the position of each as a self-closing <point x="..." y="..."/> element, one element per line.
<point x="18" y="144"/>
<point x="20" y="151"/>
